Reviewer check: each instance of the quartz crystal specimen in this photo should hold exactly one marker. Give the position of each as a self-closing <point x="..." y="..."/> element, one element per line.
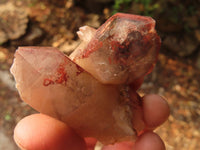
<point x="90" y="89"/>
<point x="122" y="50"/>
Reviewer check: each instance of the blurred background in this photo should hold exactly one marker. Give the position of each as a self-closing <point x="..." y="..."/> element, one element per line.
<point x="54" y="23"/>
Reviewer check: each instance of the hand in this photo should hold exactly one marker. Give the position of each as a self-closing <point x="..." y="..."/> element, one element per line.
<point x="41" y="132"/>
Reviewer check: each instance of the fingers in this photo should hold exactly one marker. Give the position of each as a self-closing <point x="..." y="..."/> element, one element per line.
<point x="155" y="110"/>
<point x="149" y="112"/>
<point x="153" y="113"/>
<point x="120" y="146"/>
<point x="149" y="141"/>
<point x="41" y="132"/>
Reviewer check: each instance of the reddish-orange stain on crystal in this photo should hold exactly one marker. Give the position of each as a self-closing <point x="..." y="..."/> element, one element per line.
<point x="80" y="70"/>
<point x="59" y="78"/>
<point x="47" y="82"/>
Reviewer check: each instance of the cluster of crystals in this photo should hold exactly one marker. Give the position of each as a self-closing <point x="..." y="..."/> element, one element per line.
<point x="90" y="90"/>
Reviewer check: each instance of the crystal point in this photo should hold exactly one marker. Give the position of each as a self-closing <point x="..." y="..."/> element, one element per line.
<point x="122" y="50"/>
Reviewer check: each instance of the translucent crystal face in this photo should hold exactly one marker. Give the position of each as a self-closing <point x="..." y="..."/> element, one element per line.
<point x="123" y="49"/>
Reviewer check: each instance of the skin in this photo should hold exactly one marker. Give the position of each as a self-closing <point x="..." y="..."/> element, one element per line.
<point x="41" y="132"/>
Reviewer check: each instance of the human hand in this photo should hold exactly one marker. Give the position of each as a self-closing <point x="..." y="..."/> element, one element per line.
<point x="41" y="132"/>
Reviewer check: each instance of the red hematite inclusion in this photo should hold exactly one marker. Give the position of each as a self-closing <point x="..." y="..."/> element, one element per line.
<point x="47" y="82"/>
<point x="93" y="46"/>
<point x="80" y="70"/>
<point x="61" y="77"/>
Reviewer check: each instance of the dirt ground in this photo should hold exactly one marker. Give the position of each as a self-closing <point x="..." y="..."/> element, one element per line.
<point x="52" y="23"/>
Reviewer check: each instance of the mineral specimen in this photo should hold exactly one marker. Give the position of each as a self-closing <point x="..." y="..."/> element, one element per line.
<point x="122" y="50"/>
<point x="90" y="90"/>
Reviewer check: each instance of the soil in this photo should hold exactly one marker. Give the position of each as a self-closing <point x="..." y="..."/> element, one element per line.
<point x="53" y="23"/>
